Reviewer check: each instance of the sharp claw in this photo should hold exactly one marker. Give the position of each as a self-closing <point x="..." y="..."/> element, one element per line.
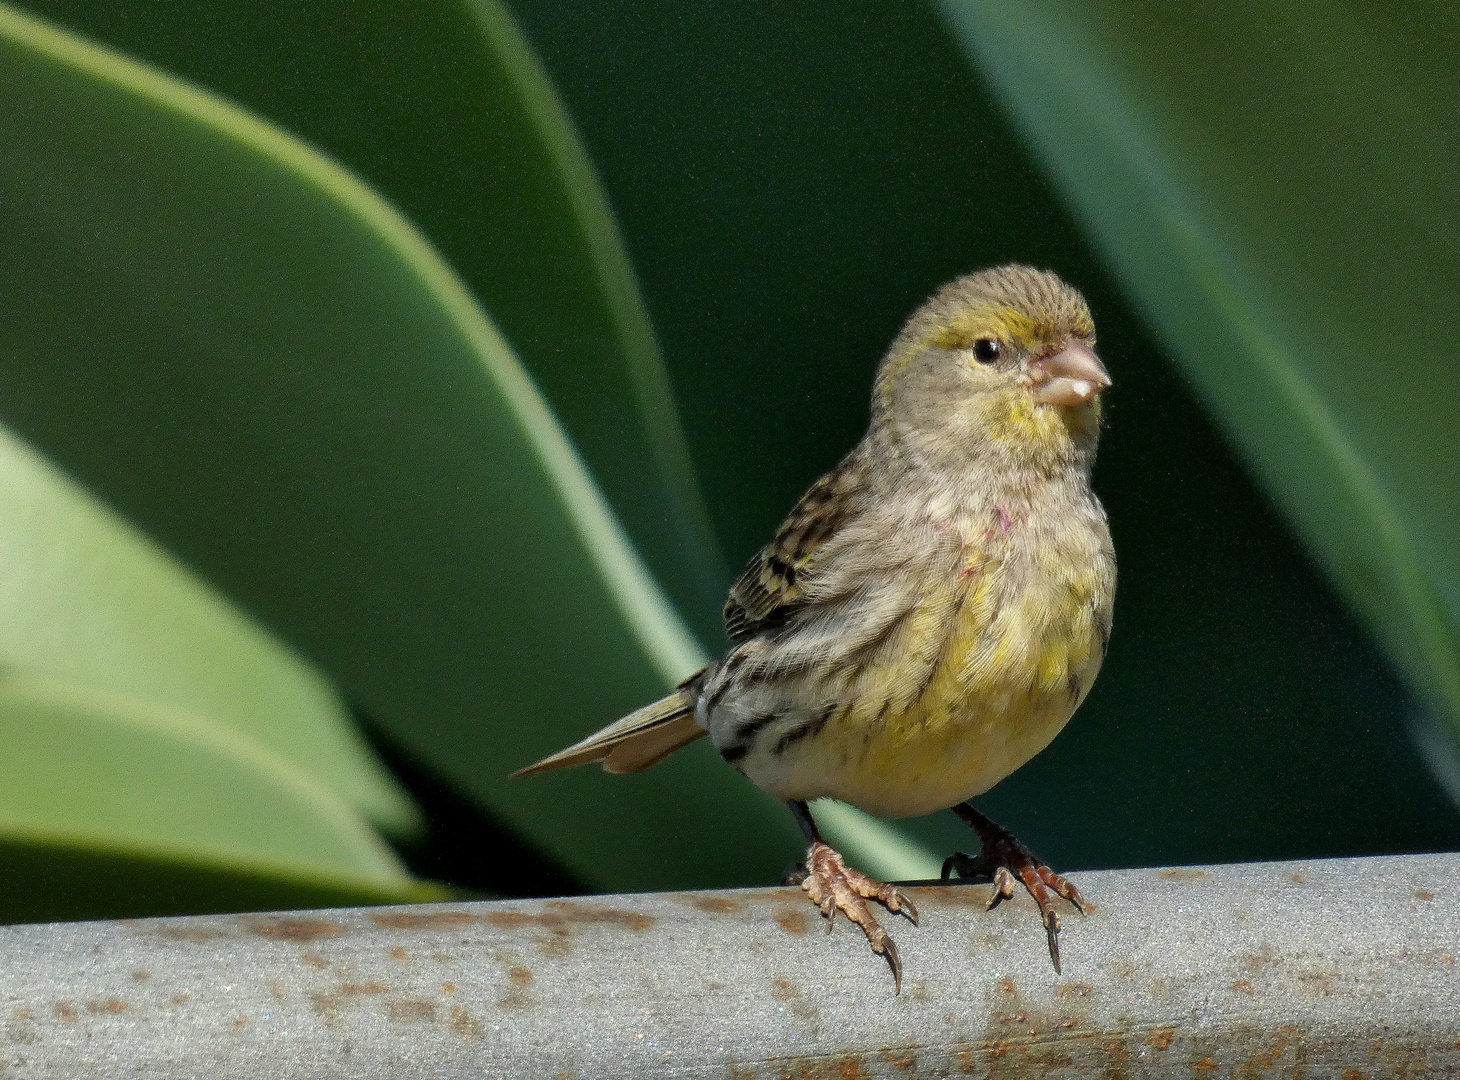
<point x="889" y="949"/>
<point x="1054" y="948"/>
<point x="907" y="907"/>
<point x="1003" y="888"/>
<point x="948" y="867"/>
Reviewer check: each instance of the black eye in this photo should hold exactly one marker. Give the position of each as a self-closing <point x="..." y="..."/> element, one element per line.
<point x="986" y="350"/>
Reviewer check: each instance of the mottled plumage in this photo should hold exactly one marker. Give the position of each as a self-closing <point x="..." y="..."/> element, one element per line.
<point x="933" y="610"/>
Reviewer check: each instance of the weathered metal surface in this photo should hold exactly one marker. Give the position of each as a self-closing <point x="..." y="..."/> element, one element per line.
<point x="1342" y="968"/>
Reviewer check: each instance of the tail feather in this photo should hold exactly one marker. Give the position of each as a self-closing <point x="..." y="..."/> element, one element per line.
<point x="643" y="738"/>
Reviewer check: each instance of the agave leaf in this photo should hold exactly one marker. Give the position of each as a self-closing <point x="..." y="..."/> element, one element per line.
<point x="247" y="349"/>
<point x="1275" y="187"/>
<point x="443" y="107"/>
<point x="87" y="601"/>
<point x="81" y="771"/>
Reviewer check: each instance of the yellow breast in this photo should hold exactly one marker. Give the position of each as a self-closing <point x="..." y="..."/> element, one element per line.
<point x="991" y="666"/>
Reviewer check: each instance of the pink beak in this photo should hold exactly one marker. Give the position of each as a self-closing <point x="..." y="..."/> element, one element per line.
<point x="1072" y="376"/>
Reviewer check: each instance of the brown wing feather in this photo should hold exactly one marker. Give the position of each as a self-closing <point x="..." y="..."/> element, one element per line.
<point x="772" y="587"/>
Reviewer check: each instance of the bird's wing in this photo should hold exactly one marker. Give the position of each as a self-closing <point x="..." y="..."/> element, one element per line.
<point x="772" y="587"/>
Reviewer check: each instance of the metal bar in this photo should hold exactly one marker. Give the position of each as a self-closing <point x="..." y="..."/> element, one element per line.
<point x="1288" y="969"/>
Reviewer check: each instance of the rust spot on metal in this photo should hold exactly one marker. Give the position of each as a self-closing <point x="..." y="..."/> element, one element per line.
<point x="968" y="894"/>
<point x="789" y="997"/>
<point x="23" y="1014"/>
<point x="840" y="1067"/>
<point x="1317" y="983"/>
<point x="1186" y="873"/>
<point x="179" y="999"/>
<point x="314" y="960"/>
<point x="442" y="958"/>
<point x="1254" y="962"/>
<point x="792" y="920"/>
<point x="66" y="1011"/>
<point x="920" y="994"/>
<point x="1354" y="1074"/>
<point x="520" y="976"/>
<point x="110" y="1005"/>
<point x="1067" y="990"/>
<point x="570" y="912"/>
<point x="1424" y="894"/>
<point x="1160" y="1038"/>
<point x="448" y="988"/>
<point x="200" y="935"/>
<point x="1242" y="986"/>
<point x="410" y="1010"/>
<point x="901" y="1061"/>
<point x="1007" y="986"/>
<point x="1206" y="1064"/>
<point x="1263" y="1061"/>
<point x="141" y="975"/>
<point x="561" y="917"/>
<point x="424" y="920"/>
<point x="240" y="1021"/>
<point x="369" y="989"/>
<point x="464" y="1024"/>
<point x="399" y="955"/>
<point x="716" y="905"/>
<point x="1298" y="879"/>
<point x="290" y="928"/>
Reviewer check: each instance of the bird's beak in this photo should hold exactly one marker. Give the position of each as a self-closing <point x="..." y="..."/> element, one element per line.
<point x="1072" y="376"/>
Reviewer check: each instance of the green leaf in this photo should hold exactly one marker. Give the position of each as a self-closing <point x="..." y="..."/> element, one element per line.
<point x="88" y="602"/>
<point x="1275" y="186"/>
<point x="53" y="877"/>
<point x="84" y="772"/>
<point x="250" y="352"/>
<point x="442" y="106"/>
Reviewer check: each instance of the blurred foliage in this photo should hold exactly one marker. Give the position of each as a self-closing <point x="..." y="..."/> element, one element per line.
<point x="263" y="366"/>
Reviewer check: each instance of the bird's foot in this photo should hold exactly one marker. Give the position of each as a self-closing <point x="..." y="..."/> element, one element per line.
<point x="1001" y="858"/>
<point x="834" y="886"/>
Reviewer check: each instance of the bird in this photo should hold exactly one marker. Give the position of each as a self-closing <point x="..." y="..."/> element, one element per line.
<point x="933" y="610"/>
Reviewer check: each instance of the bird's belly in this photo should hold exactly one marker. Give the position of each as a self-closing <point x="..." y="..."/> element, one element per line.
<point x="1002" y="688"/>
<point x="910" y="767"/>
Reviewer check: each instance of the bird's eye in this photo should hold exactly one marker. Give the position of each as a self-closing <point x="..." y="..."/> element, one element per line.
<point x="986" y="350"/>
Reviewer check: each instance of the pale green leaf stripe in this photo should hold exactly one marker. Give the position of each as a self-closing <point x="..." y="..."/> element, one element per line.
<point x="874" y="846"/>
<point x="102" y="769"/>
<point x="89" y="602"/>
<point x="616" y="275"/>
<point x="644" y="607"/>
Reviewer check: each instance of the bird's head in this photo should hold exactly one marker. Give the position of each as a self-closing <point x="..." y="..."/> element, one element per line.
<point x="997" y="370"/>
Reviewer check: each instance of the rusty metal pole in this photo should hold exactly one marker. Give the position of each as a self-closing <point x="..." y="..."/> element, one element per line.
<point x="1285" y="969"/>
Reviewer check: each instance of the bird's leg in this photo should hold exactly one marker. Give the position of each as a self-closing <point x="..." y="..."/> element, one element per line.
<point x="1000" y="854"/>
<point x="834" y="886"/>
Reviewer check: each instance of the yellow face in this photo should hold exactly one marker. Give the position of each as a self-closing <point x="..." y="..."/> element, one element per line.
<point x="990" y="382"/>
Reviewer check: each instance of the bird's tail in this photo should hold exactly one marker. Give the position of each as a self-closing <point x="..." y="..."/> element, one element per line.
<point x="645" y="737"/>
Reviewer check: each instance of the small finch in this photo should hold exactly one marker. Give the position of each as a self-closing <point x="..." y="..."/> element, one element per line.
<point x="933" y="610"/>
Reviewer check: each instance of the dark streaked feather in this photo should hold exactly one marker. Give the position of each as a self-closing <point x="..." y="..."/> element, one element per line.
<point x="773" y="586"/>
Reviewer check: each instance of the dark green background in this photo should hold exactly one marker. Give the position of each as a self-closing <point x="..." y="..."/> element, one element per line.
<point x="791" y="180"/>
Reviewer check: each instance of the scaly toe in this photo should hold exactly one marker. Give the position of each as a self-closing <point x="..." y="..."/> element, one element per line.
<point x="833" y="886"/>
